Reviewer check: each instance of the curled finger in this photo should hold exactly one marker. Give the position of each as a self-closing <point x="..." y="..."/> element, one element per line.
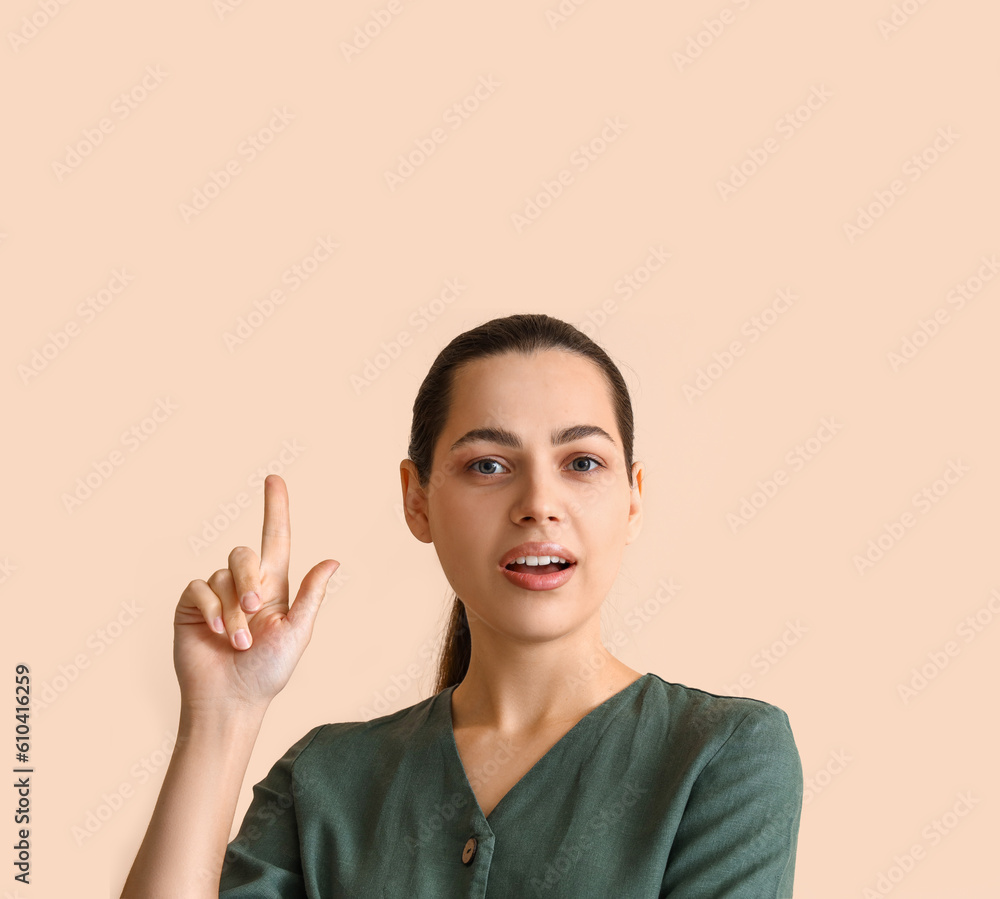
<point x="245" y="568"/>
<point x="224" y="587"/>
<point x="199" y="600"/>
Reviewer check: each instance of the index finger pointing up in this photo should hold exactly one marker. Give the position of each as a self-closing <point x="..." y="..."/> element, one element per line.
<point x="276" y="536"/>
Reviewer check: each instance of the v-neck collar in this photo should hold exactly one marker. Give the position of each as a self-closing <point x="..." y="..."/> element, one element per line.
<point x="452" y="743"/>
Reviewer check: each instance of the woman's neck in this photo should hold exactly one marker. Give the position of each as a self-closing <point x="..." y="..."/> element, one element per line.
<point x="535" y="688"/>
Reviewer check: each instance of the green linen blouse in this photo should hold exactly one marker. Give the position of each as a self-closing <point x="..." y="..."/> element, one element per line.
<point x="662" y="790"/>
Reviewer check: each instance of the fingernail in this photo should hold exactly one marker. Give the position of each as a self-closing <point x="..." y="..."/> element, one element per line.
<point x="218" y="626"/>
<point x="250" y="601"/>
<point x="242" y="638"/>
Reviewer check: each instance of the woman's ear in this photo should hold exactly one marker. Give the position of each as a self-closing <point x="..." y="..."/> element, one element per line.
<point x="414" y="502"/>
<point x="635" y="503"/>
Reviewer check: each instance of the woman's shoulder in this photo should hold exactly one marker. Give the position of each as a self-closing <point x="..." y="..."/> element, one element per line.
<point x="684" y="693"/>
<point x="694" y="714"/>
<point x="383" y="736"/>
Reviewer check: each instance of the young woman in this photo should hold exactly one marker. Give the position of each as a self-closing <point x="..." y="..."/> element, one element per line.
<point x="542" y="765"/>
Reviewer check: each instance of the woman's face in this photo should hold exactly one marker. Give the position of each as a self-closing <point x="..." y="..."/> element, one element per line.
<point x="487" y="496"/>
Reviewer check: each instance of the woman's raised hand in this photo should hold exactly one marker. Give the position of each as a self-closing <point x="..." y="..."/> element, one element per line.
<point x="236" y="640"/>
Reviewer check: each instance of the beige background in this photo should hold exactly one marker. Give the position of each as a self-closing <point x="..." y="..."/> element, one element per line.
<point x="883" y="769"/>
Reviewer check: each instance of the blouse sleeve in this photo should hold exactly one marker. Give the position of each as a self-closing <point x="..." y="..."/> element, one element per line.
<point x="738" y="832"/>
<point x="263" y="860"/>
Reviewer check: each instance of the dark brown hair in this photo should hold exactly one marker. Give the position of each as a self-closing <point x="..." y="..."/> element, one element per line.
<point x="522" y="333"/>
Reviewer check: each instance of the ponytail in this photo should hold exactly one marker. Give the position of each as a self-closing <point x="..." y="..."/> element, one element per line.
<point x="457" y="649"/>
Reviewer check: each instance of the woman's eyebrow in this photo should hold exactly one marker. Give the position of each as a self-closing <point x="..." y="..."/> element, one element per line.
<point x="509" y="439"/>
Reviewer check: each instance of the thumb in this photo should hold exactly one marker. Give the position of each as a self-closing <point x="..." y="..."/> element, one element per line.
<point x="302" y="614"/>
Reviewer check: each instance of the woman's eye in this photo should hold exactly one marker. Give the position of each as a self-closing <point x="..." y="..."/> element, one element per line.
<point x="484" y="462"/>
<point x="494" y="470"/>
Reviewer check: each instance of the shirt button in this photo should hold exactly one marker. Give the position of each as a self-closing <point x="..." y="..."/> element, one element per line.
<point x="469" y="851"/>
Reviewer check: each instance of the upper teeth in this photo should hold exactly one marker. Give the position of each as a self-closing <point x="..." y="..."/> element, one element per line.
<point x="538" y="560"/>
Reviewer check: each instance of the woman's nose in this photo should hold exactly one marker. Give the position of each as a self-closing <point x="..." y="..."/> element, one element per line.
<point x="540" y="498"/>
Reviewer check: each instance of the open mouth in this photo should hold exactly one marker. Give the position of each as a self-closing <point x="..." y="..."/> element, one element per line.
<point x="525" y="568"/>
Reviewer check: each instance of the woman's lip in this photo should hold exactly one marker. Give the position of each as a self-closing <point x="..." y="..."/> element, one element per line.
<point x="537" y="548"/>
<point x="539" y="581"/>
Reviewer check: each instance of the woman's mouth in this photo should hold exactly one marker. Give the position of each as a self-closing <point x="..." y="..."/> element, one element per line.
<point x="525" y="568"/>
<point x="539" y="577"/>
